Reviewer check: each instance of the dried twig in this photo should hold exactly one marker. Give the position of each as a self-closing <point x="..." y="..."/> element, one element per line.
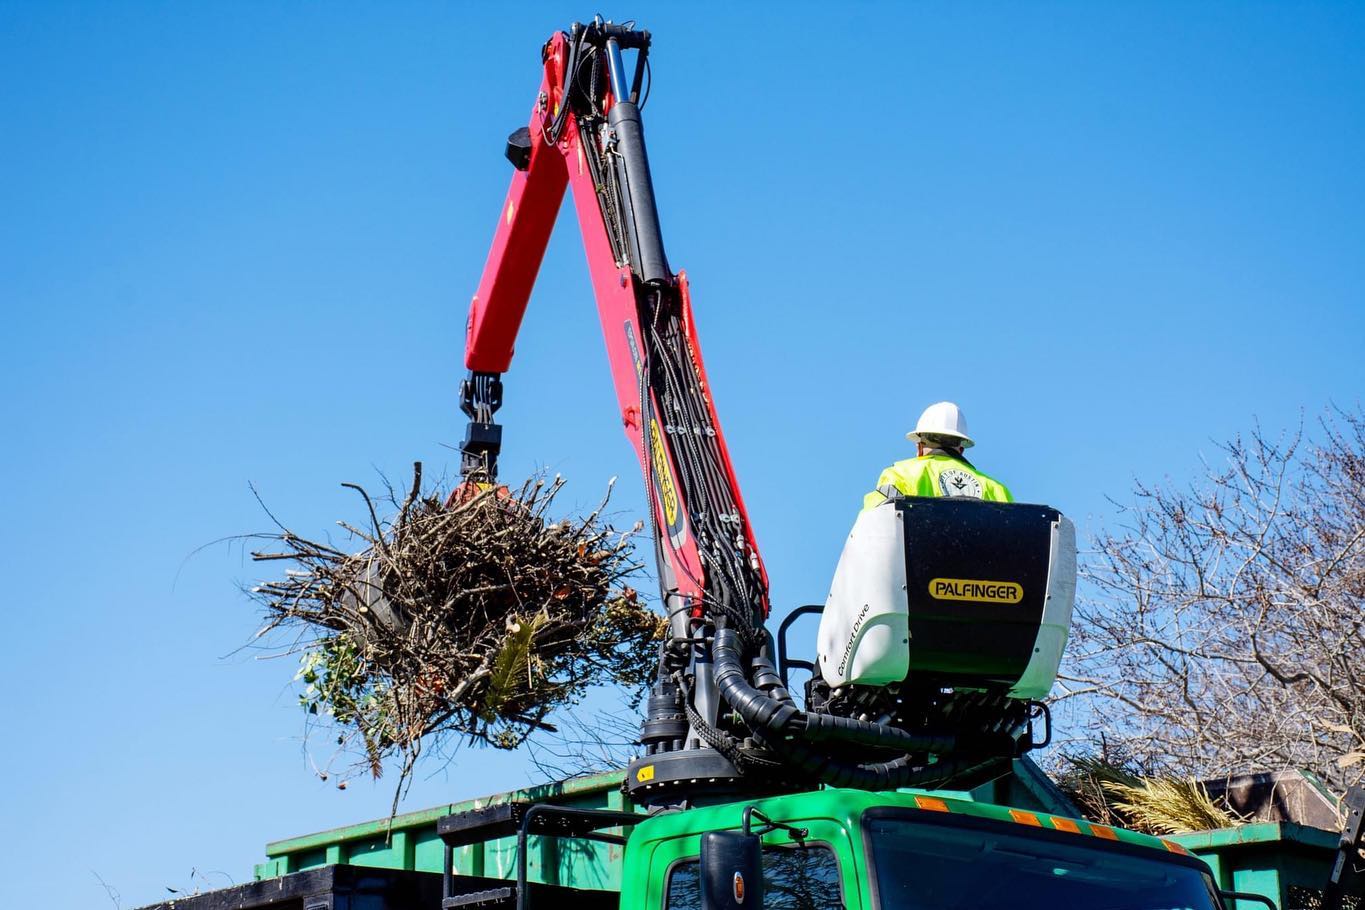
<point x="1157" y="804"/>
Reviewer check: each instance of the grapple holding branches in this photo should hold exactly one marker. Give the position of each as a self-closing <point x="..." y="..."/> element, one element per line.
<point x="475" y="619"/>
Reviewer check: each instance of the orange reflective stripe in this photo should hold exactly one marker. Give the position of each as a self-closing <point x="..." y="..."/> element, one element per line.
<point x="931" y="803"/>
<point x="1065" y="824"/>
<point x="1025" y="818"/>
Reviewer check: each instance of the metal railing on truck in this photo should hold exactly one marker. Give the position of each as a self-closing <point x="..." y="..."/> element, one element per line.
<point x="412" y="841"/>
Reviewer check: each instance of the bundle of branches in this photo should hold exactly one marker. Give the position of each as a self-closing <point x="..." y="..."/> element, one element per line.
<point x="1114" y="795"/>
<point x="458" y="621"/>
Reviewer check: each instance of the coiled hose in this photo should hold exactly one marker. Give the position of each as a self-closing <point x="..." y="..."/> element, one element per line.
<point x="789" y="731"/>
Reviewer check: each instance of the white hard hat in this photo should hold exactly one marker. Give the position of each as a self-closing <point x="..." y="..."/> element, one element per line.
<point x="942" y="419"/>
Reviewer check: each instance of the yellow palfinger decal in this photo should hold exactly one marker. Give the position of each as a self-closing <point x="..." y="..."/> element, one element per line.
<point x="1002" y="592"/>
<point x="668" y="492"/>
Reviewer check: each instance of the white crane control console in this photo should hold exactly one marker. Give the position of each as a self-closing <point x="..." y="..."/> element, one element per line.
<point x="953" y="593"/>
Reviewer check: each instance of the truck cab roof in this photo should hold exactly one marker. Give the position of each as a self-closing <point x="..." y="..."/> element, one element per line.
<point x="847" y="806"/>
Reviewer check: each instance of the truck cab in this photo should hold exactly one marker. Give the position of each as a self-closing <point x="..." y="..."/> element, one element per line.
<point x="855" y="850"/>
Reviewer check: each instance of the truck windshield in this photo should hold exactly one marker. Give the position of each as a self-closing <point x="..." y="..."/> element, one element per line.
<point x="981" y="865"/>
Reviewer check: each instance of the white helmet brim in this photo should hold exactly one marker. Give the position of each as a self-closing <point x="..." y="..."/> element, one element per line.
<point x="967" y="441"/>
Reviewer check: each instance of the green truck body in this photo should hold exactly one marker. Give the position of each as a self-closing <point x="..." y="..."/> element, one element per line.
<point x="1286" y="862"/>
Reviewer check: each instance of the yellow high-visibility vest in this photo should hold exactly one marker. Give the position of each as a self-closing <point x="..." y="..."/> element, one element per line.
<point x="936" y="475"/>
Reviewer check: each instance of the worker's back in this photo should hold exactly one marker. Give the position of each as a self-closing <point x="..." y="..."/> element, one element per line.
<point x="936" y="473"/>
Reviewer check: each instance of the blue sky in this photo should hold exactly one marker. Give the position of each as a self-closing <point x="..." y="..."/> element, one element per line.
<point x="237" y="243"/>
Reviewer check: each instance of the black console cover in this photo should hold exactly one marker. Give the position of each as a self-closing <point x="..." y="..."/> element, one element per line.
<point x="976" y="579"/>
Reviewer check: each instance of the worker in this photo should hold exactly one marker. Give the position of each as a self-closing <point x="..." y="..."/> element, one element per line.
<point x="939" y="468"/>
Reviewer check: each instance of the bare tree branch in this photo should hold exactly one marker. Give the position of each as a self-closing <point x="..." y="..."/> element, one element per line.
<point x="1222" y="626"/>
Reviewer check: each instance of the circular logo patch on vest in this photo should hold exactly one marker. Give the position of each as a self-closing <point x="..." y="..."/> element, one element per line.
<point x="957" y="482"/>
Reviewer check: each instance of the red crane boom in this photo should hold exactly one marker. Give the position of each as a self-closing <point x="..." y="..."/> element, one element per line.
<point x="667" y="407"/>
<point x="585" y="134"/>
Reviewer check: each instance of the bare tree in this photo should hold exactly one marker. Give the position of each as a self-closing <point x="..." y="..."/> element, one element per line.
<point x="1220" y="627"/>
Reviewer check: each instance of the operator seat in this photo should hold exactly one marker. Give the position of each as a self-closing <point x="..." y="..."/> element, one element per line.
<point x="951" y="592"/>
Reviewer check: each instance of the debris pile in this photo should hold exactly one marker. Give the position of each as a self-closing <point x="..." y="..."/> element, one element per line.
<point x="1154" y="804"/>
<point x="470" y="617"/>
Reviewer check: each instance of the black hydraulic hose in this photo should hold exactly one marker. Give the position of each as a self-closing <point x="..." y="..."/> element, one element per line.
<point x="709" y="498"/>
<point x="561" y="116"/>
<point x="831" y="728"/>
<point x="722" y="742"/>
<point x="759" y="710"/>
<point x="888" y="775"/>
<point x="766" y="680"/>
<point x="769" y="715"/>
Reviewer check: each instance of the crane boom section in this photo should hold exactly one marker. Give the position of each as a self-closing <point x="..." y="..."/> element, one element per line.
<point x="589" y="139"/>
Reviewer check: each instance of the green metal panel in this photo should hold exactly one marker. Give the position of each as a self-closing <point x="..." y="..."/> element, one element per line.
<point x="428" y="851"/>
<point x="409" y="841"/>
<point x="273" y="868"/>
<point x="1027" y="787"/>
<point x="1268" y="858"/>
<point x="1221" y="876"/>
<point x="1261" y="878"/>
<point x="382" y="853"/>
<point x="1283" y="833"/>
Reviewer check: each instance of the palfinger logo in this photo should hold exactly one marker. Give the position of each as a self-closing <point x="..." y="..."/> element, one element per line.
<point x="667" y="490"/>
<point x="1000" y="592"/>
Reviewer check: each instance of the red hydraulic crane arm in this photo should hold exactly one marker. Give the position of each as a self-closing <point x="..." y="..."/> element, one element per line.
<point x="589" y="138"/>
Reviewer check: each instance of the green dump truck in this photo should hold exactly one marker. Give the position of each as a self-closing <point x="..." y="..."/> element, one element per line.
<point x="580" y="843"/>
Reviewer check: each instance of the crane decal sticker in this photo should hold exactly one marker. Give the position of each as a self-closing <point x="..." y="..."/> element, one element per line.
<point x="663" y="477"/>
<point x="998" y="592"/>
<point x="664" y="485"/>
